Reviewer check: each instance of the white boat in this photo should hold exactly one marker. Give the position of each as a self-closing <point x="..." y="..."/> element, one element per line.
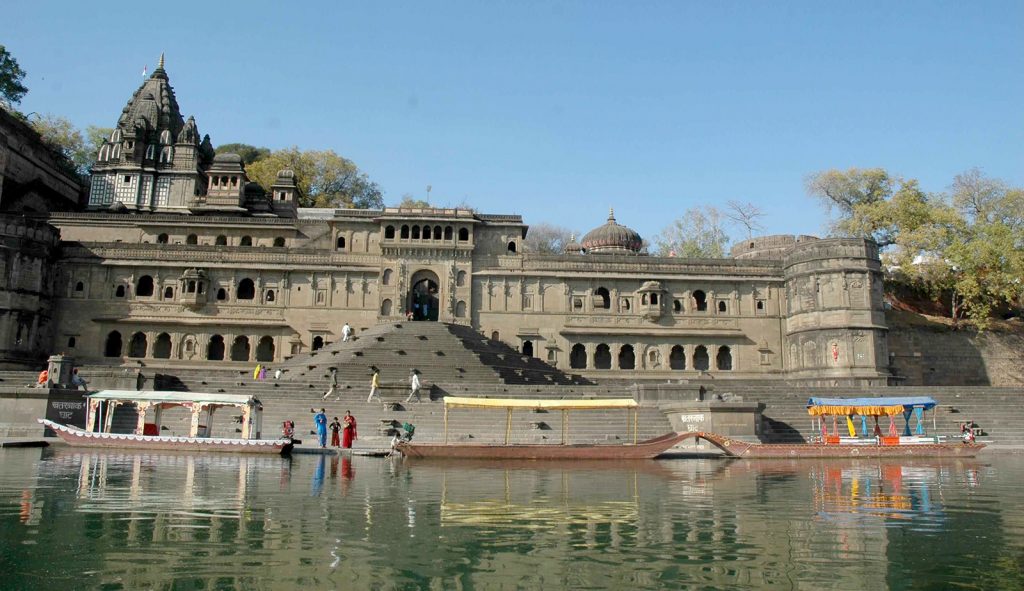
<point x="149" y="406"/>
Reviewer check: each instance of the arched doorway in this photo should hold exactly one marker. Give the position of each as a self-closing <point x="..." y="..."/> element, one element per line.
<point x="423" y="296"/>
<point x="528" y="348"/>
<point x="240" y="349"/>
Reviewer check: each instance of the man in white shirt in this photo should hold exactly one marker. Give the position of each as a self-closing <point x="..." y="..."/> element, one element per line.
<point x="346" y="333"/>
<point x="414" y="381"/>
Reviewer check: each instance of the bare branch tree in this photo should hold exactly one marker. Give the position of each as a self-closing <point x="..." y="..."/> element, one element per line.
<point x="746" y="215"/>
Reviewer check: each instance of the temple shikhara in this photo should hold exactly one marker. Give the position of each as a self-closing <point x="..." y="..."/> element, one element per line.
<point x="176" y="258"/>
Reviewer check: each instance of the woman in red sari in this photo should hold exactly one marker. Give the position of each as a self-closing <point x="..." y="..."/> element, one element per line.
<point x="348" y="433"/>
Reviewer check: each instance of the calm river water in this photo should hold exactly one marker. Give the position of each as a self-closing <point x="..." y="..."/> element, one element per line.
<point x="74" y="520"/>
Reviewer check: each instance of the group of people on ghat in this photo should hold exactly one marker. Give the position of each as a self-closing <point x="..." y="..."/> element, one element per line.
<point x="343" y="432"/>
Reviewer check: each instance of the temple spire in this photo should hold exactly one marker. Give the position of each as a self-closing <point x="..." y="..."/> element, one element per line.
<point x="160" y="64"/>
<point x="611" y="214"/>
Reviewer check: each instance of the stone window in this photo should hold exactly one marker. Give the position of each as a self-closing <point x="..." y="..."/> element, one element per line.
<point x="723" y="360"/>
<point x="759" y="307"/>
<point x="766" y="358"/>
<point x="112" y="347"/>
<point x="625" y="304"/>
<point x="190" y="287"/>
<point x="577" y="304"/>
<point x="602" y="299"/>
<point x="677" y="306"/>
<point x="71" y="342"/>
<point x="677" y="358"/>
<point x="279" y="242"/>
<point x="245" y="241"/>
<point x="463" y="235"/>
<point x="385" y="307"/>
<point x="722" y="306"/>
<point x="138" y="345"/>
<point x="700" y="301"/>
<point x="447" y="232"/>
<point x="405" y="232"/>
<point x="460" y="309"/>
<point x="234" y="181"/>
<point x="270" y="296"/>
<point x="627" y="357"/>
<point x="192" y="239"/>
<point x="578" y="357"/>
<point x="246" y="290"/>
<point x="437" y="232"/>
<point x="386" y="279"/>
<point x="162" y="346"/>
<point x="603" y="357"/>
<point x="240" y="348"/>
<point x="162" y="239"/>
<point x="79" y="286"/>
<point x="528" y="348"/>
<point x="701" y="359"/>
<point x="222" y="294"/>
<point x="168" y="293"/>
<point x="215" y="348"/>
<point x="460" y="279"/>
<point x="389" y="233"/>
<point x="318" y="343"/>
<point x="427" y="233"/>
<point x="512" y="247"/>
<point x="415" y="232"/>
<point x="265" y="349"/>
<point x="119" y="292"/>
<point x="340" y="243"/>
<point x="222" y="240"/>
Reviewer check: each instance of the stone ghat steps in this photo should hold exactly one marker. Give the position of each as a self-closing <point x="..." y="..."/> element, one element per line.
<point x="18" y="378"/>
<point x="444" y="353"/>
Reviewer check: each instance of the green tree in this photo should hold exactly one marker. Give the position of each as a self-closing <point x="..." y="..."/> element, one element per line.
<point x="248" y="152"/>
<point x="699" y="233"/>
<point x="62" y="135"/>
<point x="325" y="178"/>
<point x="409" y="201"/>
<point x="965" y="247"/>
<point x="547" y="239"/>
<point x="11" y="75"/>
<point x="94" y="138"/>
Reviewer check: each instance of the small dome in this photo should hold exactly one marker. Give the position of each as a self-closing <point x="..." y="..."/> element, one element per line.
<point x="573" y="247"/>
<point x="228" y="158"/>
<point x="286" y="174"/>
<point x="612" y="237"/>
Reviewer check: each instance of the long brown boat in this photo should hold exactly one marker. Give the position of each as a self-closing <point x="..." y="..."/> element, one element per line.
<point x="149" y="406"/>
<point x="635" y="450"/>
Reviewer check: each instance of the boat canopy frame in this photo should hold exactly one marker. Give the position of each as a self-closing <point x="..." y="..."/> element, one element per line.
<point x="819" y="408"/>
<point x="511" y="404"/>
<point x="199" y="403"/>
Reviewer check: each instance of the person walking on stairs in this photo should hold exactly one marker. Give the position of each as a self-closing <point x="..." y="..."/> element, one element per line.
<point x="346" y="333"/>
<point x="414" y="383"/>
<point x="374" y="386"/>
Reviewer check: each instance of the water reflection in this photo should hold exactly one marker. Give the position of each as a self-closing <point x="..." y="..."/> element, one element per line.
<point x="222" y="521"/>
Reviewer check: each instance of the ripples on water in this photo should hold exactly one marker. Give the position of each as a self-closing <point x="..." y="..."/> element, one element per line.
<point x="75" y="520"/>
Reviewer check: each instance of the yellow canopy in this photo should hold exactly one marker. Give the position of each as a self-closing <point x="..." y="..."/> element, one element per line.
<point x="840" y="410"/>
<point x="530" y="404"/>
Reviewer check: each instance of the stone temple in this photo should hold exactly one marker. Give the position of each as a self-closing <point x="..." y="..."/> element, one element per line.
<point x="177" y="259"/>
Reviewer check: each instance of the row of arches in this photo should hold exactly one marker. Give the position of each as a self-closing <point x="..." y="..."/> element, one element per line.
<point x="627" y="358"/>
<point x="698" y="302"/>
<point x="222" y="240"/>
<point x="145" y="287"/>
<point x="426" y="232"/>
<point x="139" y="347"/>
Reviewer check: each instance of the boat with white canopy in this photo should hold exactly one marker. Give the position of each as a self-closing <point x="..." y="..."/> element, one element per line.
<point x="150" y="406"/>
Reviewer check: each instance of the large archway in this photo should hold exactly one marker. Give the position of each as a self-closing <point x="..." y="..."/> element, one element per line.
<point x="423" y="299"/>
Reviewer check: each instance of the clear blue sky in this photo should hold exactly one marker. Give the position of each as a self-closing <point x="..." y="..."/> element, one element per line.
<point x="558" y="110"/>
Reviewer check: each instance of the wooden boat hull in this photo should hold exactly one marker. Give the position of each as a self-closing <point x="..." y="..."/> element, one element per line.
<point x="80" y="438"/>
<point x="643" y="450"/>
<point x="740" y="449"/>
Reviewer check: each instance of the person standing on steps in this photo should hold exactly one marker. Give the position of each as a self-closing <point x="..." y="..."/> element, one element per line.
<point x="348" y="434"/>
<point x="414" y="383"/>
<point x="320" y="421"/>
<point x="346" y="333"/>
<point x="335" y="428"/>
<point x="374" y="385"/>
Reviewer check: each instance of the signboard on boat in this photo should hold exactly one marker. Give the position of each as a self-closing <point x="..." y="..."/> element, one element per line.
<point x="67" y="408"/>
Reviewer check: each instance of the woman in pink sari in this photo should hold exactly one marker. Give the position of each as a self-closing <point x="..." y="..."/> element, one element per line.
<point x="348" y="433"/>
